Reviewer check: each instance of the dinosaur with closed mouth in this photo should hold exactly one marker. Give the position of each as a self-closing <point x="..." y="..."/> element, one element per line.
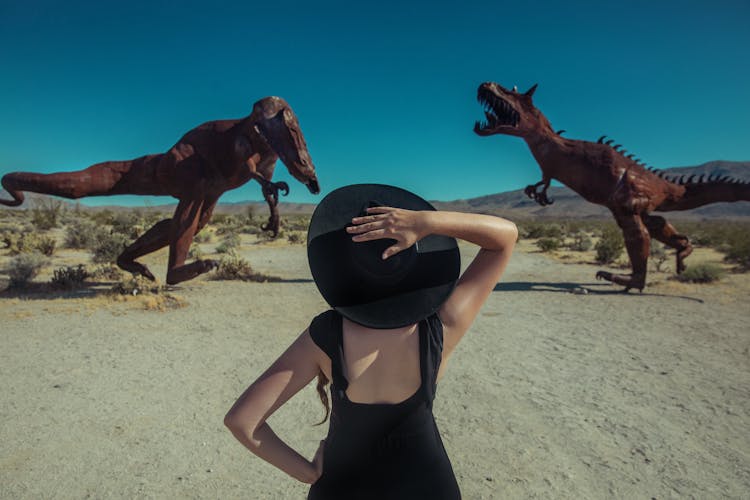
<point x="602" y="173"/>
<point x="209" y="160"/>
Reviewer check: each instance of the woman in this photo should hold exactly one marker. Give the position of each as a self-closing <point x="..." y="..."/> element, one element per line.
<point x="396" y="319"/>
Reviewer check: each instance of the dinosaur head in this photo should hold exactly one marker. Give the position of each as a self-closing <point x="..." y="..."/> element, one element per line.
<point x="508" y="111"/>
<point x="277" y="124"/>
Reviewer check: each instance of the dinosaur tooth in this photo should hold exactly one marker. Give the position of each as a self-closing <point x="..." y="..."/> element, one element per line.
<point x="609" y="142"/>
<point x="601" y="139"/>
<point x="690" y="179"/>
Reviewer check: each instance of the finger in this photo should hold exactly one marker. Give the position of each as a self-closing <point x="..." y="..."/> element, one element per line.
<point x="393" y="250"/>
<point x="363" y="228"/>
<point x="380" y="210"/>
<point x="370" y="235"/>
<point x="367" y="218"/>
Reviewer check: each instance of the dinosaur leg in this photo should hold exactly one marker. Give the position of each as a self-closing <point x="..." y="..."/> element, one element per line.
<point x="663" y="231"/>
<point x="184" y="225"/>
<point x="533" y="192"/>
<point x="637" y="244"/>
<point x="271" y="195"/>
<point x="152" y="240"/>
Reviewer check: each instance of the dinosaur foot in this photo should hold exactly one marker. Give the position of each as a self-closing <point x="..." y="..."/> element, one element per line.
<point x="626" y="280"/>
<point x="136" y="268"/>
<point x="272" y="225"/>
<point x="538" y="196"/>
<point x="271" y="190"/>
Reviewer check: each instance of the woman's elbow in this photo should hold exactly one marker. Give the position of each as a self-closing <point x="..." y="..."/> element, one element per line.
<point x="239" y="425"/>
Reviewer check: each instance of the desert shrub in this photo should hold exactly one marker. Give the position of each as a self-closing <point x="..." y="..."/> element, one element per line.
<point x="102" y="217"/>
<point x="533" y="230"/>
<point x="657" y="255"/>
<point x="195" y="252"/>
<point x="69" y="277"/>
<point x="46" y="245"/>
<point x="610" y="245"/>
<point x="295" y="237"/>
<point x="135" y="285"/>
<point x="46" y="213"/>
<point x="298" y="223"/>
<point x="581" y="242"/>
<point x="127" y="223"/>
<point x="108" y="247"/>
<point x="236" y="268"/>
<point x="229" y="243"/>
<point x="82" y="233"/>
<point x="738" y="250"/>
<point x="251" y="229"/>
<point x="106" y="271"/>
<point x="227" y="224"/>
<point x="18" y="243"/>
<point x="548" y="244"/>
<point x="706" y="272"/>
<point x="203" y="237"/>
<point x="24" y="268"/>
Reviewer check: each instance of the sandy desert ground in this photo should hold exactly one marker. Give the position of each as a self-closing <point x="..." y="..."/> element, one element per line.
<point x="553" y="394"/>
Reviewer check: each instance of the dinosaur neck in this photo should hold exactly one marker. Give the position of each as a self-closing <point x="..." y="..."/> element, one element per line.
<point x="546" y="146"/>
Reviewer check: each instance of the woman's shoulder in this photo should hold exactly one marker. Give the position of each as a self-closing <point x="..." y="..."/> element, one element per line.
<point x="323" y="330"/>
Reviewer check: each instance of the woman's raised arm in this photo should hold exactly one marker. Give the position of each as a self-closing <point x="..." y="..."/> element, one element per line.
<point x="496" y="237"/>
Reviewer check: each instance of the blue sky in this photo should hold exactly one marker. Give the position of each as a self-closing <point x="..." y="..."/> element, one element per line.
<point x="385" y="91"/>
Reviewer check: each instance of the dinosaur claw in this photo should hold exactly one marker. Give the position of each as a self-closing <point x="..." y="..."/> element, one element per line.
<point x="284" y="187"/>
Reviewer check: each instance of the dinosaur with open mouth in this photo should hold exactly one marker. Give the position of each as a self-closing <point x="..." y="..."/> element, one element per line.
<point x="209" y="160"/>
<point x="602" y="173"/>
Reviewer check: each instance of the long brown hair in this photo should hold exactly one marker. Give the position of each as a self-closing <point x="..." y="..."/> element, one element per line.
<point x="323" y="394"/>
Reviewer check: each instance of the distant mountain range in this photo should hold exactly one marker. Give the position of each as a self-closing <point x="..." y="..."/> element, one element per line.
<point x="515" y="204"/>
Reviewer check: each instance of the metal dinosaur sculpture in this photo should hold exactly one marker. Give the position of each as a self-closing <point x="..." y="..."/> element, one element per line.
<point x="210" y="159"/>
<point x="602" y="174"/>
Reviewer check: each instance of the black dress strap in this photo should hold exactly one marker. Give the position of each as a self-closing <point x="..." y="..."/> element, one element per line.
<point x="326" y="330"/>
<point x="433" y="353"/>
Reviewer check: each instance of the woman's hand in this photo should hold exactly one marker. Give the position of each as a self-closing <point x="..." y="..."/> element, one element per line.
<point x="317" y="461"/>
<point x="405" y="226"/>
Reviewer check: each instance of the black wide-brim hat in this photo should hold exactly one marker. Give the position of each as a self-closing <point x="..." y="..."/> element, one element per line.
<point x="353" y="277"/>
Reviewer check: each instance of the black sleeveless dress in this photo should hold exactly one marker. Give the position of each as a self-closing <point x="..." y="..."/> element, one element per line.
<point x="383" y="451"/>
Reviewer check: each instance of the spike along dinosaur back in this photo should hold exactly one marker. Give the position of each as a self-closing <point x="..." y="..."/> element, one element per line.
<point x="601" y="173"/>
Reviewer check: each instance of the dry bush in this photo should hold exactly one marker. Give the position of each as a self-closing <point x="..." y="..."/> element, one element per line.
<point x="296" y="237"/>
<point x="136" y="285"/>
<point x="82" y="233"/>
<point x="30" y="242"/>
<point x="229" y="243"/>
<point x="237" y="268"/>
<point x="46" y="213"/>
<point x="69" y="277"/>
<point x="107" y="272"/>
<point x="610" y="245"/>
<point x="24" y="268"/>
<point x="706" y="272"/>
<point x="548" y="244"/>
<point x="581" y="242"/>
<point x="108" y="247"/>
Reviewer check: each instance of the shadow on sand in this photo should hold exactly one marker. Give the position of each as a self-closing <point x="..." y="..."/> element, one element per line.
<point x="579" y="289"/>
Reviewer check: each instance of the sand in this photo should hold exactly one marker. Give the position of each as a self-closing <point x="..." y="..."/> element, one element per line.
<point x="554" y="393"/>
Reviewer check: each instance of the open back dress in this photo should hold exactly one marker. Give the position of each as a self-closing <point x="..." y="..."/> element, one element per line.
<point x="381" y="450"/>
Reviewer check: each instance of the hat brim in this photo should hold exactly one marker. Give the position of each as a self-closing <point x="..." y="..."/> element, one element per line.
<point x="355" y="281"/>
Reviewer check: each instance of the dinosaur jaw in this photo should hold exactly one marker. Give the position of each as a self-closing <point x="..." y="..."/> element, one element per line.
<point x="500" y="116"/>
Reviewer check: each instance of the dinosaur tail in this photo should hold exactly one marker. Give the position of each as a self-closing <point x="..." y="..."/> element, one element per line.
<point x="712" y="191"/>
<point x="55" y="184"/>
